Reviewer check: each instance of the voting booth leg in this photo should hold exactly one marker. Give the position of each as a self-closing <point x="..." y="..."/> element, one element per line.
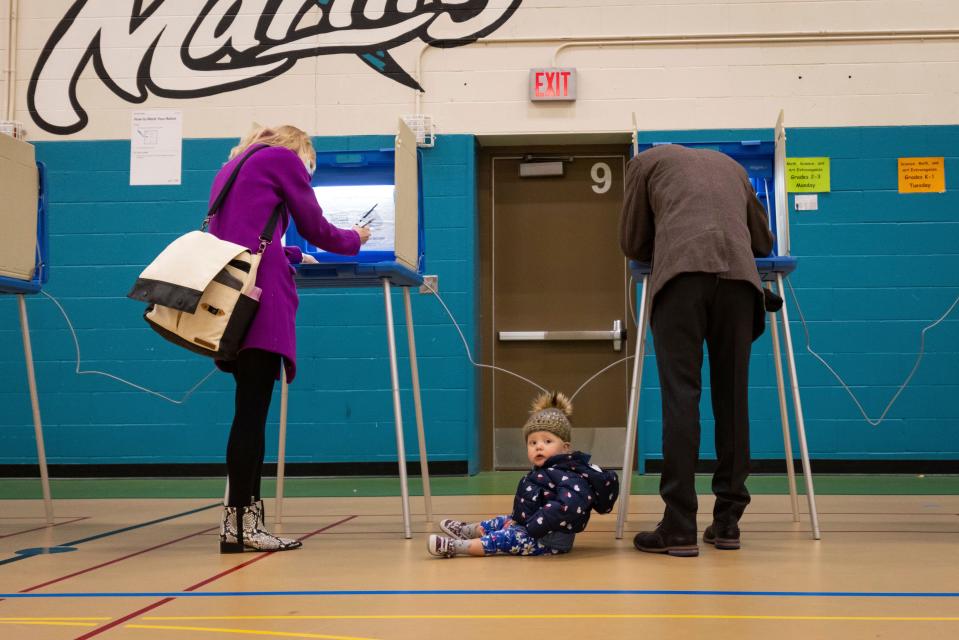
<point x="35" y="404"/>
<point x="418" y="404"/>
<point x="397" y="410"/>
<point x="797" y="408"/>
<point x="281" y="446"/>
<point x="632" y="413"/>
<point x="784" y="415"/>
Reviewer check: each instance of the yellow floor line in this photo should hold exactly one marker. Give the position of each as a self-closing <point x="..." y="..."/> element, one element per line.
<point x="252" y="632"/>
<point x="58" y="618"/>
<point x="572" y="616"/>
<point x="52" y="623"/>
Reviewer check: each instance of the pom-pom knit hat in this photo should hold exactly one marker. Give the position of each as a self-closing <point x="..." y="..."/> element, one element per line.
<point x="550" y="412"/>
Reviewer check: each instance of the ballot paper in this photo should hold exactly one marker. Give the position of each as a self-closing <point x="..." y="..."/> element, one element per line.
<point x="370" y="205"/>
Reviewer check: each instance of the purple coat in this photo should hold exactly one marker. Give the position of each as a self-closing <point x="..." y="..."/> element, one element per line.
<point x="269" y="177"/>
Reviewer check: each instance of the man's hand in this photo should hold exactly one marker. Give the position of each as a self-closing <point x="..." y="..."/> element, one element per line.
<point x="364" y="233"/>
<point x="308" y="259"/>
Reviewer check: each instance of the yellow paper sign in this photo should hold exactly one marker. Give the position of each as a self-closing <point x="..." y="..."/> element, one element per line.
<point x="922" y="175"/>
<point x="807" y="175"/>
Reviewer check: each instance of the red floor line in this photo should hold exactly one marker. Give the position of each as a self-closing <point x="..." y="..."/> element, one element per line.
<point x="119" y="621"/>
<point x="55" y="524"/>
<point x="115" y="623"/>
<point x="114" y="561"/>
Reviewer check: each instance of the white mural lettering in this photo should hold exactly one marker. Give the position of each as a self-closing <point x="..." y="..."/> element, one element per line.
<point x="159" y="49"/>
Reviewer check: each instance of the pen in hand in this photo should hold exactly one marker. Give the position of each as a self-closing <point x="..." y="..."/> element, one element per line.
<point x="360" y="222"/>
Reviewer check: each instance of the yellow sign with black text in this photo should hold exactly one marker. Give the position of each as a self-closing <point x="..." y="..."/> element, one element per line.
<point x="807" y="175"/>
<point x="922" y="175"/>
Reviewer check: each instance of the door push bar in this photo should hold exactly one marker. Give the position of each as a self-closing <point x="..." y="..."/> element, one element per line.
<point x="617" y="335"/>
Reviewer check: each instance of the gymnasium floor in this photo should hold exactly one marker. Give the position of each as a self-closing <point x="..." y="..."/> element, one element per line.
<point x="144" y="566"/>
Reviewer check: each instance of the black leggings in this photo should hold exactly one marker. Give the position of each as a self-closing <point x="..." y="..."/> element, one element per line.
<point x="255" y="374"/>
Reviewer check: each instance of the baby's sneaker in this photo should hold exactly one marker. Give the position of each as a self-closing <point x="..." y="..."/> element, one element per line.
<point x="440" y="546"/>
<point x="455" y="529"/>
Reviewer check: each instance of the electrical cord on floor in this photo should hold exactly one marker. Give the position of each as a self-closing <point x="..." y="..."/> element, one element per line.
<point x="76" y="343"/>
<point x="902" y="387"/>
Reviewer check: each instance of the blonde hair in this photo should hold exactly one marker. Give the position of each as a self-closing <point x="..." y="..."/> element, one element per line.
<point x="285" y="135"/>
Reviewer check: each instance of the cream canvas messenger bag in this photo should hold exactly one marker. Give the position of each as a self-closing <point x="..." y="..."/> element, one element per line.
<point x="202" y="290"/>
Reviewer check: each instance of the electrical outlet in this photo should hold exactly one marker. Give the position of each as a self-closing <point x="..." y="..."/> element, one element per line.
<point x="432" y="281"/>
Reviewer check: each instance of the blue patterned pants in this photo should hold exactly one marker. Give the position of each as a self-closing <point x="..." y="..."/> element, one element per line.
<point x="512" y="539"/>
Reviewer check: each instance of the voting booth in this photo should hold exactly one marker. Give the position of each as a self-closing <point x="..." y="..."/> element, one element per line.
<point x="380" y="189"/>
<point x="23" y="261"/>
<point x="366" y="188"/>
<point x="765" y="164"/>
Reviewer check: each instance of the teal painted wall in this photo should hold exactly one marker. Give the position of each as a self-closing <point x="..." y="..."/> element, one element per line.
<point x="103" y="232"/>
<point x="875" y="267"/>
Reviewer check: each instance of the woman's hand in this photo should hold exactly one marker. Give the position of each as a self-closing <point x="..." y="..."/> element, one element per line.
<point x="308" y="259"/>
<point x="363" y="232"/>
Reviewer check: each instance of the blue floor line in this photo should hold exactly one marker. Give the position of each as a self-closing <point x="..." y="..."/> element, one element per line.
<point x="495" y="592"/>
<point x="140" y="526"/>
<point x="107" y="534"/>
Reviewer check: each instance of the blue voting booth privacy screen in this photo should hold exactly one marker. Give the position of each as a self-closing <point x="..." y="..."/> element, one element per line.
<point x="758" y="158"/>
<point x="358" y="187"/>
<point x="41" y="271"/>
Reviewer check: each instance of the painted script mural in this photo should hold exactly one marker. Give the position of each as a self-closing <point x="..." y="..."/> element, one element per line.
<point x="160" y="48"/>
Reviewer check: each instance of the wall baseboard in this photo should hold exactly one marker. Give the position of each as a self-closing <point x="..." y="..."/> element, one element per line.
<point x="834" y="466"/>
<point x="195" y="470"/>
<point x="442" y="468"/>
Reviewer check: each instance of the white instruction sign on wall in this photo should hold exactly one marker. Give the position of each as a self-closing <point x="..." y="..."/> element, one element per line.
<point x="807" y="202"/>
<point x="156" y="147"/>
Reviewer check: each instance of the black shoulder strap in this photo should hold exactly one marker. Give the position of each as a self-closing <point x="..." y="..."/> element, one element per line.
<point x="226" y="188"/>
<point x="266" y="236"/>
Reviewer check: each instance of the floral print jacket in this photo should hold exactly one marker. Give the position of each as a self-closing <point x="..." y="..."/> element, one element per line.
<point x="560" y="495"/>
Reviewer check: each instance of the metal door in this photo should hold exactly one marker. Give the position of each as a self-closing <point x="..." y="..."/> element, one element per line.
<point x="559" y="305"/>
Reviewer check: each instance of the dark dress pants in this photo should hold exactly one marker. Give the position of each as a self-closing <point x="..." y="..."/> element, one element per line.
<point x="690" y="309"/>
<point x="255" y="374"/>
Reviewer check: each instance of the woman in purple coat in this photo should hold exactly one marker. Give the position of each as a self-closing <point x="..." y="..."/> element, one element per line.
<point x="278" y="174"/>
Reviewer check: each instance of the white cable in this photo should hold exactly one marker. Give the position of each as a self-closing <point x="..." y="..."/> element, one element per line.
<point x="902" y="387"/>
<point x="632" y="313"/>
<point x="76" y="343"/>
<point x="597" y="374"/>
<point x="469" y="355"/>
<point x="489" y="366"/>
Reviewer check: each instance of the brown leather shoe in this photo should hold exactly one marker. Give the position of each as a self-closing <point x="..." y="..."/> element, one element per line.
<point x="682" y="545"/>
<point x="722" y="536"/>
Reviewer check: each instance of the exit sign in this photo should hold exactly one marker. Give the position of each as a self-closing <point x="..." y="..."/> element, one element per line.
<point x="552" y="84"/>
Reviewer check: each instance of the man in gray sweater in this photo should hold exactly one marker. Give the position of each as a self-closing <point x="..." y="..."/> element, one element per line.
<point x="694" y="215"/>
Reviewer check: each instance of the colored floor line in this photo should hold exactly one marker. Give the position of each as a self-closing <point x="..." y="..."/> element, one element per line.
<point x="189" y="590"/>
<point x="479" y="592"/>
<point x="56" y="618"/>
<point x="248" y="632"/>
<point x="563" y="616"/>
<point x="651" y="616"/>
<point x="115" y="560"/>
<point x="46" y="526"/>
<point x="53" y="623"/>
<point x="115" y="532"/>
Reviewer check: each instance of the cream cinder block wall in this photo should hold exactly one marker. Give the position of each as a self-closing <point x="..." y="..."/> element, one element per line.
<point x="482" y="87"/>
<point x="4" y="53"/>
